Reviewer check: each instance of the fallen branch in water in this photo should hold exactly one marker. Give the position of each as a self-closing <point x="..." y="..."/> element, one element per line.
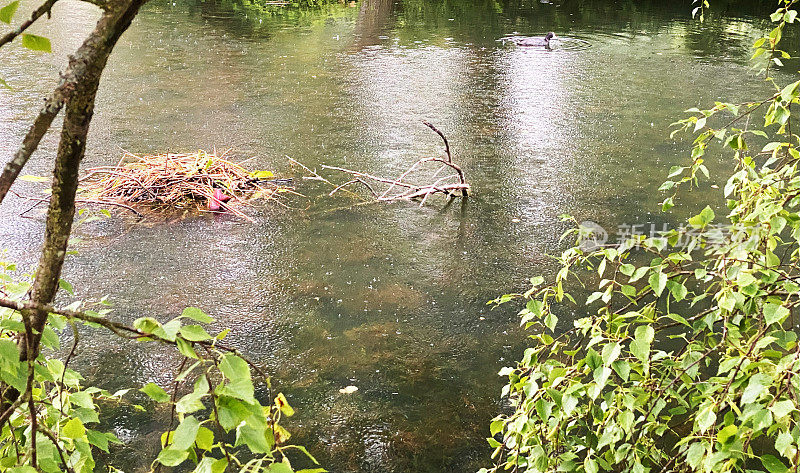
<point x="40" y="200"/>
<point x="452" y="185"/>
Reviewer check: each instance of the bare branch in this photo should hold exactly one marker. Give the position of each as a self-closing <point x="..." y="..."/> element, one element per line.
<point x="35" y="134"/>
<point x="318" y="177"/>
<point x="84" y="66"/>
<point x="38" y="13"/>
<point x="370" y="176"/>
<point x="444" y="138"/>
<point x="117" y="328"/>
<point x="13" y="407"/>
<point x="100" y="202"/>
<point x="412" y="191"/>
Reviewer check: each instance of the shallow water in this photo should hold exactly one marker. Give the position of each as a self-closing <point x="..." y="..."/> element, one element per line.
<point x="388" y="298"/>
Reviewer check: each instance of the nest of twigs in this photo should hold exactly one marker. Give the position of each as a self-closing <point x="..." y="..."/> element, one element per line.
<point x="202" y="181"/>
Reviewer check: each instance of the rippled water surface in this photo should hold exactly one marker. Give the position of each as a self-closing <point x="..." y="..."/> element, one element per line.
<point x="389" y="298"/>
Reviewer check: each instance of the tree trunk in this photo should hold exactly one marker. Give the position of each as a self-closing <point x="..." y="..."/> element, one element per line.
<point x="90" y="59"/>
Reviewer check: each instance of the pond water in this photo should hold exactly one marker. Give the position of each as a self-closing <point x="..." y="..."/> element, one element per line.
<point x="388" y="298"/>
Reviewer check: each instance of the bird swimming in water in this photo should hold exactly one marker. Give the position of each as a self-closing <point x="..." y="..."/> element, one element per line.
<point x="534" y="40"/>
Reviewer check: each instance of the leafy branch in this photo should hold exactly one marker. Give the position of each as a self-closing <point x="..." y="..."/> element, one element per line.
<point x="688" y="351"/>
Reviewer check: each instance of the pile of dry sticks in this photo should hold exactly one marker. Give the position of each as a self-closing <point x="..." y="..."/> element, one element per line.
<point x="203" y="181"/>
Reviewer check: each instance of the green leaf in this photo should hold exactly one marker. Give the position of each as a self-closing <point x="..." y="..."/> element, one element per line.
<point x="4" y="84"/>
<point x="195" y="333"/>
<point x="755" y="388"/>
<point x="627" y="269"/>
<point x="640" y="346"/>
<point x="9" y="352"/>
<point x="590" y="465"/>
<point x="65" y="285"/>
<point x="169" y="330"/>
<point x="623" y="369"/>
<point x="219" y="466"/>
<point x="611" y="353"/>
<point x="727" y="433"/>
<point x="98" y="439"/>
<point x="238" y="372"/>
<point x="205" y="465"/>
<point x="205" y="438"/>
<point x="82" y="399"/>
<point x="783" y="443"/>
<point x="703" y="218"/>
<point x="706" y="418"/>
<point x="231" y="412"/>
<point x="73" y="429"/>
<point x="146" y="324"/>
<point x="628" y="290"/>
<point x="782" y="408"/>
<point x="773" y="465"/>
<point x="197" y="315"/>
<point x="658" y="281"/>
<point x="50" y="338"/>
<point x="279" y="468"/>
<point x="550" y="321"/>
<point x="191" y="402"/>
<point x="637" y="275"/>
<point x="186" y="433"/>
<point x="254" y="436"/>
<point x="36" y="43"/>
<point x="496" y="427"/>
<point x="185" y="348"/>
<point x="172" y="457"/>
<point x="775" y="313"/>
<point x="678" y="291"/>
<point x="7" y="12"/>
<point x="695" y="454"/>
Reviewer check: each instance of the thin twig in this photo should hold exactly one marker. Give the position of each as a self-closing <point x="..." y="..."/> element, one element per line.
<point x="444" y="138"/>
<point x="47" y="433"/>
<point x="66" y="364"/>
<point x="317" y="176"/>
<point x="38" y="13"/>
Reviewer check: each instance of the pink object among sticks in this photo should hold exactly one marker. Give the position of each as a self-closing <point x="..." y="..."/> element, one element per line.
<point x="217" y="199"/>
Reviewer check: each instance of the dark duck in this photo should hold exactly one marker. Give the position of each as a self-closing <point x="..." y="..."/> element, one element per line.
<point x="535" y="40"/>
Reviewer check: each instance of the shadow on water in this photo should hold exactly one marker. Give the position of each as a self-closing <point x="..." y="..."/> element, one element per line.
<point x="391" y="299"/>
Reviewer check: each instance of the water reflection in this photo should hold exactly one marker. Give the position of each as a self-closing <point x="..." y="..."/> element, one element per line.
<point x="388" y="298"/>
<point x="374" y="17"/>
